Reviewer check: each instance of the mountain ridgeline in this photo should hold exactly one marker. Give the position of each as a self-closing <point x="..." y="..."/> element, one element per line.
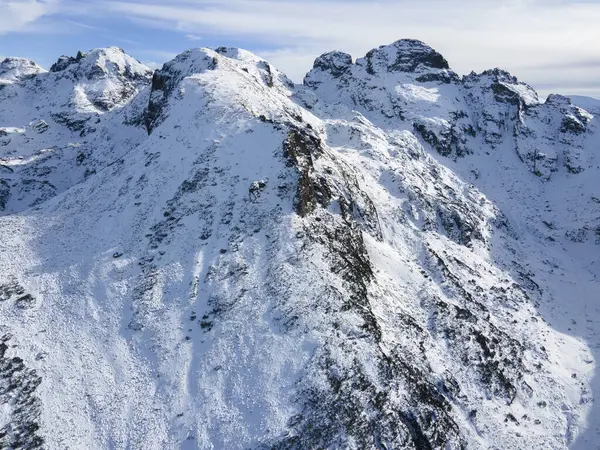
<point x="387" y="256"/>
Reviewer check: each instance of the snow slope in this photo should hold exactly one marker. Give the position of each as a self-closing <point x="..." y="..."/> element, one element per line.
<point x="388" y="256"/>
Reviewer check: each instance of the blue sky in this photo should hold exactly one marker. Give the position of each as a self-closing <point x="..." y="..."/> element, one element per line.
<point x="552" y="44"/>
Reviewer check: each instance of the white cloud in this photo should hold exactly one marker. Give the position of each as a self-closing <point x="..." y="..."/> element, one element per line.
<point x="519" y="35"/>
<point x="18" y="15"/>
<point x="82" y="25"/>
<point x="548" y="43"/>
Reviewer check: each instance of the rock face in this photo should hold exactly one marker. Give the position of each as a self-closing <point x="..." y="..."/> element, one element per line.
<point x="209" y="256"/>
<point x="406" y="55"/>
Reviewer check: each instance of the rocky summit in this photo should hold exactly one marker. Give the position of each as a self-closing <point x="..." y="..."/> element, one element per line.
<point x="210" y="256"/>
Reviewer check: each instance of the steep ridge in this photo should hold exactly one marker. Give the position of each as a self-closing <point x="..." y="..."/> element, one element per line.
<point x="257" y="264"/>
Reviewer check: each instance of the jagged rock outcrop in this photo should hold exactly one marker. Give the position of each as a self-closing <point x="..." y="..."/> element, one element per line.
<point x="65" y="61"/>
<point x="406" y="55"/>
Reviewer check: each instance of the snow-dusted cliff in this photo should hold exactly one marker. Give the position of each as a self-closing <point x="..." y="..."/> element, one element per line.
<point x="388" y="256"/>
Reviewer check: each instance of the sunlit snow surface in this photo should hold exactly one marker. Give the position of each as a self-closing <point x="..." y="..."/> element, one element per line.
<point x="181" y="297"/>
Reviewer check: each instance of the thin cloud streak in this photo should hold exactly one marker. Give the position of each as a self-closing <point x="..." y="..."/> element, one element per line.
<point x="541" y="41"/>
<point x="473" y="35"/>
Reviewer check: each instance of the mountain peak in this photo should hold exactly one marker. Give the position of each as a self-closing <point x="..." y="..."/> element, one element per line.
<point x="12" y="69"/>
<point x="404" y="55"/>
<point x="101" y="62"/>
<point x="239" y="63"/>
<point x="506" y="88"/>
<point x="88" y="83"/>
<point x="335" y="62"/>
<point x="194" y="60"/>
<point x="65" y="61"/>
<point x="558" y="100"/>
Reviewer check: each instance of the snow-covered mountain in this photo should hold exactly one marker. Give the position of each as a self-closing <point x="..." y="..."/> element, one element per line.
<point x="210" y="256"/>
